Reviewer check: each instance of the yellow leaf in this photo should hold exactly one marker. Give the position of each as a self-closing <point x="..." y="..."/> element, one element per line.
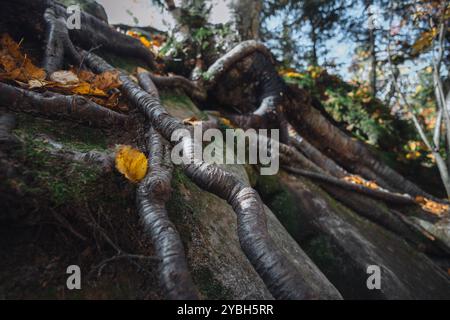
<point x="16" y="65"/>
<point x="145" y="41"/>
<point x="293" y="75"/>
<point x="131" y="163"/>
<point x="85" y="88"/>
<point x="359" y="180"/>
<point x="226" y="122"/>
<point x="432" y="206"/>
<point x="424" y="41"/>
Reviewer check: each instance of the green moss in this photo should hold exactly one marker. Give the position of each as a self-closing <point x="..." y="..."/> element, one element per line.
<point x="209" y="287"/>
<point x="126" y="63"/>
<point x="61" y="181"/>
<point x="173" y="99"/>
<point x="252" y="174"/>
<point x="44" y="174"/>
<point x="319" y="249"/>
<point x="281" y="202"/>
<point x="268" y="186"/>
<point x="285" y="209"/>
<point x="77" y="137"/>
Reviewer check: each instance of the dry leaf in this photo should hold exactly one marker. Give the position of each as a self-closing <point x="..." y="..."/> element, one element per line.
<point x="16" y="65"/>
<point x="226" y="122"/>
<point x="64" y="77"/>
<point x="131" y="163"/>
<point x="87" y="89"/>
<point x="432" y="206"/>
<point x="192" y="121"/>
<point x="359" y="180"/>
<point x="107" y="80"/>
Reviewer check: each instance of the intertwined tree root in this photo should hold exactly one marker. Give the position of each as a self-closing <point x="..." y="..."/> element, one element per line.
<point x="275" y="104"/>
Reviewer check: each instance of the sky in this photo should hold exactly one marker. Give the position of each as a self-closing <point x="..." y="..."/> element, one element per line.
<point x="149" y="14"/>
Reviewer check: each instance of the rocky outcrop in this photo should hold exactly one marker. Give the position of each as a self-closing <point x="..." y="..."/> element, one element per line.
<point x="344" y="244"/>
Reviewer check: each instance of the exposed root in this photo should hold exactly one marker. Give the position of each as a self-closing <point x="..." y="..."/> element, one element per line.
<point x="191" y="89"/>
<point x="278" y="273"/>
<point x="53" y="105"/>
<point x="374" y="193"/>
<point x="93" y="33"/>
<point x="315" y="155"/>
<point x="96" y="33"/>
<point x="352" y="154"/>
<point x="54" y="49"/>
<point x="152" y="194"/>
<point x="222" y="65"/>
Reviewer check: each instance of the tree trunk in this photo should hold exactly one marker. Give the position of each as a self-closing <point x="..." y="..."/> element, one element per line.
<point x="247" y="16"/>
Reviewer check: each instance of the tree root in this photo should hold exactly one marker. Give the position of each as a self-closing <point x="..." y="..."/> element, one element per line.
<point x="152" y="194"/>
<point x="374" y="193"/>
<point x="96" y="33"/>
<point x="93" y="33"/>
<point x="317" y="157"/>
<point x="278" y="273"/>
<point x="222" y="65"/>
<point x="352" y="154"/>
<point x="189" y="87"/>
<point x="53" y="105"/>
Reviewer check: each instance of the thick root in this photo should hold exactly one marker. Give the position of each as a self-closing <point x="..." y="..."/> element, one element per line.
<point x="278" y="273"/>
<point x="58" y="106"/>
<point x="152" y="194"/>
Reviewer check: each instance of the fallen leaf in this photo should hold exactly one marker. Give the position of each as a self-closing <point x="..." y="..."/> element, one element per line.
<point x="87" y="89"/>
<point x="107" y="80"/>
<point x="192" y="121"/>
<point x="131" y="163"/>
<point x="16" y="65"/>
<point x="64" y="77"/>
<point x="359" y="180"/>
<point x="431" y="206"/>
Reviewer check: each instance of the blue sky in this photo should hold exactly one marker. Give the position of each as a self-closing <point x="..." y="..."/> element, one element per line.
<point x="340" y="48"/>
<point x="148" y="14"/>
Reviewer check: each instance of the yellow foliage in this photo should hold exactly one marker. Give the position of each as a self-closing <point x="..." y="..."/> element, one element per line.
<point x="16" y="65"/>
<point x="87" y="89"/>
<point x="131" y="163"/>
<point x="432" y="206"/>
<point x="359" y="180"/>
<point x="291" y="74"/>
<point x="424" y="41"/>
<point x="145" y="41"/>
<point x="226" y="122"/>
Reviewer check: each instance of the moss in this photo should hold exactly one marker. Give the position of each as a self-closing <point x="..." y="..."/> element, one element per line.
<point x="284" y="207"/>
<point x="252" y="174"/>
<point x="180" y="105"/>
<point x="126" y="63"/>
<point x="209" y="287"/>
<point x="281" y="202"/>
<point x="77" y="137"/>
<point x="44" y="174"/>
<point x="62" y="181"/>
<point x="319" y="249"/>
<point x="268" y="186"/>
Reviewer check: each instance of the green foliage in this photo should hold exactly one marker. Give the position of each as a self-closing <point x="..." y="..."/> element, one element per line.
<point x="353" y="107"/>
